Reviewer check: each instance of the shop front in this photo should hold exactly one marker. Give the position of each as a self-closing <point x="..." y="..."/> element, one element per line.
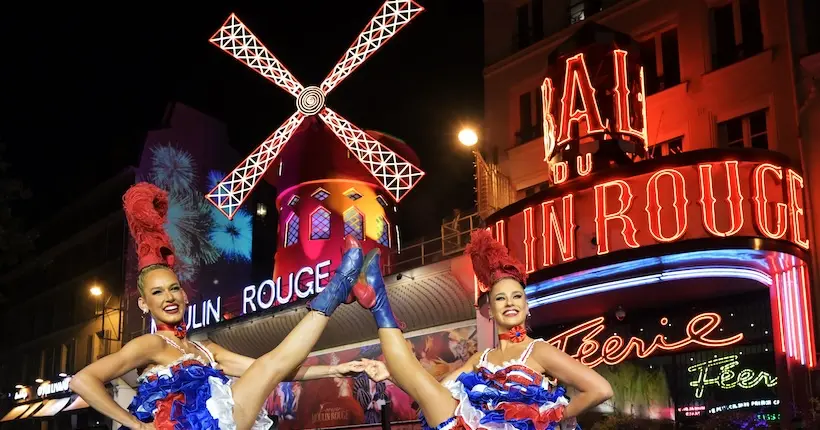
<point x="688" y="270"/>
<point x="49" y="406"/>
<point x="684" y="279"/>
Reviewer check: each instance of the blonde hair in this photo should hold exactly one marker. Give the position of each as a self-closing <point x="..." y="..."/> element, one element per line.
<point x="145" y="271"/>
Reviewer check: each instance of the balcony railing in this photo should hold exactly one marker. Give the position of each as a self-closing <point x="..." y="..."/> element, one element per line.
<point x="455" y="235"/>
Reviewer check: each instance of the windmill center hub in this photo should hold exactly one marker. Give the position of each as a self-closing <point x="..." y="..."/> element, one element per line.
<point x="310" y="101"/>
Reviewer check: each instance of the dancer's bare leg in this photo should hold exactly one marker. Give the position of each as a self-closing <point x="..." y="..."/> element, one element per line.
<point x="251" y="390"/>
<point x="435" y="401"/>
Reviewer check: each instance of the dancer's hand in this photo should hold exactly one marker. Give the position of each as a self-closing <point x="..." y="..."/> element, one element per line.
<point x="376" y="370"/>
<point x="147" y="426"/>
<point x="350" y="368"/>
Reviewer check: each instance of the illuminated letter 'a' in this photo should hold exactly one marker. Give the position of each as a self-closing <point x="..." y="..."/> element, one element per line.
<point x="576" y="81"/>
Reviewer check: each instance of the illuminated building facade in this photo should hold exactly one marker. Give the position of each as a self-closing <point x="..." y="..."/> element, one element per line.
<point x="671" y="194"/>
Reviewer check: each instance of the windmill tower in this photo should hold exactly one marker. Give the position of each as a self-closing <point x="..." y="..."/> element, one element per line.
<point x="334" y="179"/>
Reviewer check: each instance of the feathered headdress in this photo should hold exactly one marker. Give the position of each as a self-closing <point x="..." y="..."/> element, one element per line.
<point x="492" y="261"/>
<point x="146" y="208"/>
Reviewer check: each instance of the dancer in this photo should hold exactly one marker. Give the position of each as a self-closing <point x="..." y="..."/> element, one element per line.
<point x="184" y="387"/>
<point x="500" y="389"/>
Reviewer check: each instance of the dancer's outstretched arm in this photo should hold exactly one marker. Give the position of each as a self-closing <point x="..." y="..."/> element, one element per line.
<point x="234" y="364"/>
<point x="262" y="376"/>
<point x="594" y="389"/>
<point x="90" y="382"/>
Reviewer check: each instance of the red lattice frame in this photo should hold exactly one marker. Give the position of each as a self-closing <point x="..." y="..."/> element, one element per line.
<point x="397" y="175"/>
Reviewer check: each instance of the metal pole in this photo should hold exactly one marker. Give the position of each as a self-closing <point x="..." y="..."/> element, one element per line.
<point x="386" y="416"/>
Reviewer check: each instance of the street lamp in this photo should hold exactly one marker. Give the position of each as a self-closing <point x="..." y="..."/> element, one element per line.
<point x="468" y="137"/>
<point x="97" y="292"/>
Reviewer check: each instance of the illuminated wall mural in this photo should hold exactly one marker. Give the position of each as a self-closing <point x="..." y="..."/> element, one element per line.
<point x="187" y="159"/>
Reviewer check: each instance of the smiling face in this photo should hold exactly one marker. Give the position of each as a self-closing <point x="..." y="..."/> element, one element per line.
<point x="162" y="295"/>
<point x="508" y="304"/>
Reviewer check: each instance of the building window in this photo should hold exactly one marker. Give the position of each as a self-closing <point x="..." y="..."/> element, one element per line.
<point x="293" y="201"/>
<point x="736" y="32"/>
<point x="384" y="229"/>
<point x="747" y="131"/>
<point x="522" y="38"/>
<point x="811" y="8"/>
<point x="661" y="60"/>
<point x="320" y="224"/>
<point x="354" y="223"/>
<point x="381" y="201"/>
<point x="529" y="19"/>
<point x="669" y="147"/>
<point x="292" y="230"/>
<point x="580" y="10"/>
<point x="352" y="194"/>
<point x="531" y="115"/>
<point x="320" y="194"/>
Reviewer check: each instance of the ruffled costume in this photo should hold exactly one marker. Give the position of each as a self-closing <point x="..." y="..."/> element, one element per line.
<point x="190" y="393"/>
<point x="512" y="396"/>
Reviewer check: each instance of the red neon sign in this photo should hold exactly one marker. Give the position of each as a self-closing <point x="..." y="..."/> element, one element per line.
<point x="615" y="349"/>
<point x="616" y="107"/>
<point x="708" y="199"/>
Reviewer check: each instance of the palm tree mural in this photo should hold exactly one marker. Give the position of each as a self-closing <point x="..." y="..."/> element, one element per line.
<point x="638" y="391"/>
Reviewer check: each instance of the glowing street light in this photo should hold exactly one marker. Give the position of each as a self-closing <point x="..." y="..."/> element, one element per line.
<point x="96" y="291"/>
<point x="468" y="137"/>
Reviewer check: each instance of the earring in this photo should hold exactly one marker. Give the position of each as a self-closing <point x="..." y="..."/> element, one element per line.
<point x="529" y="314"/>
<point x="145" y="311"/>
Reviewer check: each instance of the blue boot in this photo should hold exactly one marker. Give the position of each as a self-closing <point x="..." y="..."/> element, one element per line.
<point x="372" y="294"/>
<point x="340" y="287"/>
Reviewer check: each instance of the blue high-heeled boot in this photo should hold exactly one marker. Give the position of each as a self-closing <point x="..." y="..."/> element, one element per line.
<point x="339" y="289"/>
<point x="372" y="294"/>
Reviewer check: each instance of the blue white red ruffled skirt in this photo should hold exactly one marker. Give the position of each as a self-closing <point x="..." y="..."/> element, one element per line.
<point x="484" y="404"/>
<point x="188" y="395"/>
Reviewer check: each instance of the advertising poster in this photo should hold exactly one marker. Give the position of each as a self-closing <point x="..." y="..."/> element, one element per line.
<point x="337" y="402"/>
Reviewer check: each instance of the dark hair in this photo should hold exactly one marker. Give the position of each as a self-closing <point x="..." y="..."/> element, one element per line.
<point x="145" y="271"/>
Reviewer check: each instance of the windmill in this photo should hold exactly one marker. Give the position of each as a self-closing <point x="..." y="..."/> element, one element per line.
<point x="393" y="172"/>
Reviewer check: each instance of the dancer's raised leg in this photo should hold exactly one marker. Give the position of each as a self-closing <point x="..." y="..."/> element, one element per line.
<point x="435" y="401"/>
<point x="251" y="390"/>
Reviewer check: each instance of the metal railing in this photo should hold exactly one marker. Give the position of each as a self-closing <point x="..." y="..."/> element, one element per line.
<point x="455" y="234"/>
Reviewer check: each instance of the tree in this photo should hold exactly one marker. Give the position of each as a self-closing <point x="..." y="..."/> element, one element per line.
<point x="15" y="241"/>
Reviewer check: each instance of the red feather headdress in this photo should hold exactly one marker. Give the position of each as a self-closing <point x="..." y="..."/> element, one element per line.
<point x="146" y="208"/>
<point x="492" y="261"/>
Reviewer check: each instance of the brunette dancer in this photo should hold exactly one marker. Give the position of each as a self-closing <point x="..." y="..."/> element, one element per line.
<point x="184" y="387"/>
<point x="501" y="388"/>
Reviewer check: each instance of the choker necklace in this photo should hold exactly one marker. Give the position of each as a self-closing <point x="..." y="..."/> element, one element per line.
<point x="179" y="330"/>
<point x="516" y="334"/>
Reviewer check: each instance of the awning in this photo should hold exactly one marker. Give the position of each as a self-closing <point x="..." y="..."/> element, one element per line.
<point x="78" y="403"/>
<point x="51" y="407"/>
<point x="45" y="408"/>
<point x="14" y="413"/>
<point x="31" y="409"/>
<point x="425" y="297"/>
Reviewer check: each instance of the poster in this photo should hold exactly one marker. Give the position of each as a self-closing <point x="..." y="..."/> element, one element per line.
<point x="334" y="402"/>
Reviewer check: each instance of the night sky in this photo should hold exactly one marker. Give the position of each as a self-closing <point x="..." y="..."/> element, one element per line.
<point x="81" y="86"/>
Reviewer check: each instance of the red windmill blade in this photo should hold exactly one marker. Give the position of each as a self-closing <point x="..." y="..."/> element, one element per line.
<point x="397" y="175"/>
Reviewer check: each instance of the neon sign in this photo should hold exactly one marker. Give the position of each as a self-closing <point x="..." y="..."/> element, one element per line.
<point x="53" y="388"/>
<point x="270" y="294"/>
<point x="729" y="198"/>
<point x="727" y="378"/>
<point x="615" y="349"/>
<point x="579" y="105"/>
